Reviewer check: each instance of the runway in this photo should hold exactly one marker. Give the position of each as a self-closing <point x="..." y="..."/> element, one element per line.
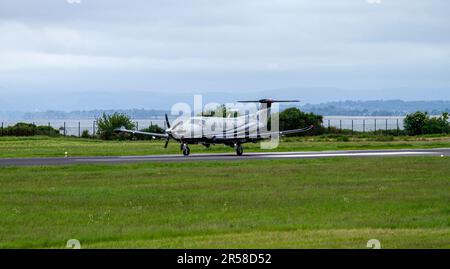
<point x="224" y="157"/>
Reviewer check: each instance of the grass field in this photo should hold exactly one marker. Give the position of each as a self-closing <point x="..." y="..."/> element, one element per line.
<point x="302" y="203"/>
<point x="11" y="147"/>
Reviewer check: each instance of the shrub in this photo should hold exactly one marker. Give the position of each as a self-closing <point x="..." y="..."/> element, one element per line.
<point x="154" y="129"/>
<point x="415" y="123"/>
<point x="107" y="124"/>
<point x="437" y="125"/>
<point x="343" y="139"/>
<point x="85" y="134"/>
<point x="294" y="118"/>
<point x="47" y="130"/>
<point x="421" y="123"/>
<point x="150" y="129"/>
<point x="28" y="129"/>
<point x="335" y="131"/>
<point x="386" y="138"/>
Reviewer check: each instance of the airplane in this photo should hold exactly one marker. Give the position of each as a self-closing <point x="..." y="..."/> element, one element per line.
<point x="230" y="131"/>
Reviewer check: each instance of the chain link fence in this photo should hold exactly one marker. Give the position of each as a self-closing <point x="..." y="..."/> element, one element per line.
<point x="365" y="124"/>
<point x="378" y="125"/>
<point x="77" y="127"/>
<point x="353" y="124"/>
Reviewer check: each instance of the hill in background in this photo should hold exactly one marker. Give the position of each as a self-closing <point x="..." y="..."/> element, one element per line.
<point x="342" y="108"/>
<point x="377" y="108"/>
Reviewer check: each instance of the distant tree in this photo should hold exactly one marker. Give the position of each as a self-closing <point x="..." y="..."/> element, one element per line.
<point x="47" y="130"/>
<point x="437" y="125"/>
<point x="415" y="123"/>
<point x="22" y="129"/>
<point x="28" y="129"/>
<point x="107" y="124"/>
<point x="85" y="134"/>
<point x="221" y="111"/>
<point x="151" y="129"/>
<point x="421" y="123"/>
<point x="154" y="129"/>
<point x="294" y="118"/>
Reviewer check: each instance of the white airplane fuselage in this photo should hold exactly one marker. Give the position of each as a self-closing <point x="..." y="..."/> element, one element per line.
<point x="246" y="126"/>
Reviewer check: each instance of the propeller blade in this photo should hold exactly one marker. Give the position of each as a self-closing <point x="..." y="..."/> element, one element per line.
<point x="167" y="143"/>
<point x="167" y="121"/>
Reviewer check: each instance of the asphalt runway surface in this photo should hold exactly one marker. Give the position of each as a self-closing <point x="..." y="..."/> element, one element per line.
<point x="223" y="157"/>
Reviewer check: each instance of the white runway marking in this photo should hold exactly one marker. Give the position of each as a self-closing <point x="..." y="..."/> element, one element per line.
<point x="349" y="154"/>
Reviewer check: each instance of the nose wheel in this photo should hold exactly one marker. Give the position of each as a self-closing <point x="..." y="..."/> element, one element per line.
<point x="186" y="150"/>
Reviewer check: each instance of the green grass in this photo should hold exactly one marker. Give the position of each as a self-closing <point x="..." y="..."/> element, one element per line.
<point x="302" y="203"/>
<point x="11" y="147"/>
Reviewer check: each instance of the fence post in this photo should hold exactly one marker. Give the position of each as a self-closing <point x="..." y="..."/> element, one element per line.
<point x="375" y="130"/>
<point x="352" y="126"/>
<point x="79" y="129"/>
<point x="386" y="126"/>
<point x="398" y="128"/>
<point x="340" y="125"/>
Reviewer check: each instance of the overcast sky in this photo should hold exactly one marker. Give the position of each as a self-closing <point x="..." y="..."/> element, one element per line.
<point x="223" y="45"/>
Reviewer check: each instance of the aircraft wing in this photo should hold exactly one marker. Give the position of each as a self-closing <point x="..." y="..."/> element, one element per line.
<point x="283" y="133"/>
<point x="264" y="135"/>
<point x="123" y="130"/>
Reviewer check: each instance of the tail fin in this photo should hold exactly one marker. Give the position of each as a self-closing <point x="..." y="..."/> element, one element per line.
<point x="268" y="102"/>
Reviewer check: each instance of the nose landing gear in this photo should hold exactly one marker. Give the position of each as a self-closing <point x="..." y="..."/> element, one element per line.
<point x="186" y="150"/>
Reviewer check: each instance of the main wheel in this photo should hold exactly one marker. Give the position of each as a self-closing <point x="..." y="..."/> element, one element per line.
<point x="186" y="150"/>
<point x="239" y="150"/>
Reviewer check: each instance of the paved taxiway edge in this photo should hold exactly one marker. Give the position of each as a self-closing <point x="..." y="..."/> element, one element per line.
<point x="443" y="152"/>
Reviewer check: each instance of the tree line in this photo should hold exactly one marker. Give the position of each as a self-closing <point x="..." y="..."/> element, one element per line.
<point x="418" y="123"/>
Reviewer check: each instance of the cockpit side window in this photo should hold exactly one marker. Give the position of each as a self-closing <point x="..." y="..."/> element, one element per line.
<point x="198" y="122"/>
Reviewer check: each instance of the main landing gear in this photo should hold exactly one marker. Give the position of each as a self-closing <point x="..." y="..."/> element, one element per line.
<point x="186" y="150"/>
<point x="239" y="149"/>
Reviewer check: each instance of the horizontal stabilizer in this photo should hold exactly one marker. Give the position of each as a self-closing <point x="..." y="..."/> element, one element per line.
<point x="269" y="101"/>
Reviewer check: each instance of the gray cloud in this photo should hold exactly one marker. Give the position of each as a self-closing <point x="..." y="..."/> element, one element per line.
<point x="222" y="45"/>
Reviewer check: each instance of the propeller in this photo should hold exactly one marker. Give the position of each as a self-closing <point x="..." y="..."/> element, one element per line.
<point x="167" y="142"/>
<point x="167" y="121"/>
<point x="168" y="137"/>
